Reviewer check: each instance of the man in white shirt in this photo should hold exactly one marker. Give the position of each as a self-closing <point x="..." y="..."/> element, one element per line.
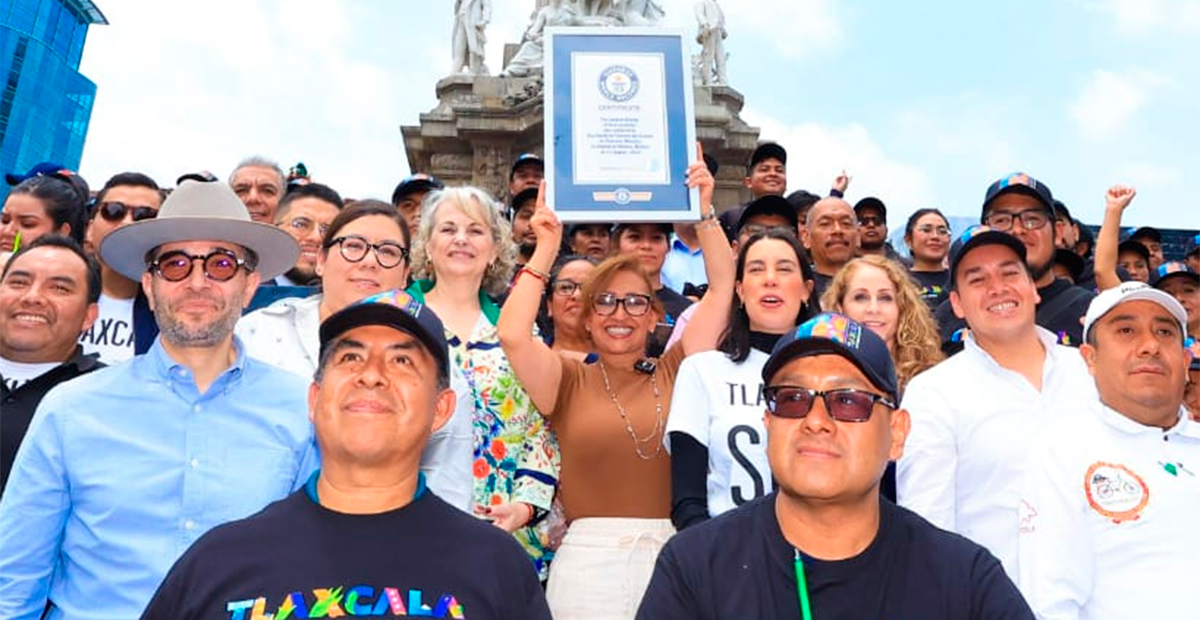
<point x="972" y="414"/>
<point x="1108" y="504"/>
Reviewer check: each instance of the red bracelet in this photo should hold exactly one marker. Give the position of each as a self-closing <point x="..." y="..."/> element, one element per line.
<point x="544" y="277"/>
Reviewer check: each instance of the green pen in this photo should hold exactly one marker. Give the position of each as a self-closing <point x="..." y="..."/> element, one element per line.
<point x="802" y="588"/>
<point x="17" y="241"/>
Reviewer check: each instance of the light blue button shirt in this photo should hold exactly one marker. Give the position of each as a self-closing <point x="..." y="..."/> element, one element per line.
<point x="124" y="468"/>
<point x="683" y="265"/>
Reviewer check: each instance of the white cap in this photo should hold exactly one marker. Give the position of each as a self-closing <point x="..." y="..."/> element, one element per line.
<point x="1131" y="291"/>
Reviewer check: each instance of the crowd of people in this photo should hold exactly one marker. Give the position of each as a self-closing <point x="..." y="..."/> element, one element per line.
<point x="254" y="398"/>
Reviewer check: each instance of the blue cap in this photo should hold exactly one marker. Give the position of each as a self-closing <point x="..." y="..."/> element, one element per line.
<point x="396" y="309"/>
<point x="1172" y="269"/>
<point x="45" y="168"/>
<point x="837" y="334"/>
<point x="978" y="236"/>
<point x="1019" y="183"/>
<point x="526" y="158"/>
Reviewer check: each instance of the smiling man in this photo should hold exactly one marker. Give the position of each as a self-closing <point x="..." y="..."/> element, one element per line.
<point x="973" y="413"/>
<point x="305" y="213"/>
<point x="831" y="237"/>
<point x="123" y="468"/>
<point x="1108" y="503"/>
<point x="381" y="388"/>
<point x="825" y="544"/>
<point x="259" y="183"/>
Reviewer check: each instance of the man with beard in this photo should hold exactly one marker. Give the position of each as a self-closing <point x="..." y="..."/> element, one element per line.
<point x="831" y="237"/>
<point x="1024" y="207"/>
<point x="521" y="210"/>
<point x="305" y="213"/>
<point x="124" y="468"/>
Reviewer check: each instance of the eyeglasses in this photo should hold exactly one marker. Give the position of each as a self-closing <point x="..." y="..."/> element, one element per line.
<point x="354" y="248"/>
<point x="635" y="304"/>
<point x="115" y="211"/>
<point x="305" y="226"/>
<point x="844" y="405"/>
<point x="568" y="288"/>
<point x="749" y="230"/>
<point x="1031" y="219"/>
<point x="871" y="220"/>
<point x="940" y="231"/>
<point x="219" y="265"/>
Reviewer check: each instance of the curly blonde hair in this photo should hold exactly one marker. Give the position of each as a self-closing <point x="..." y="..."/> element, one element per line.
<point x="480" y="207"/>
<point x="918" y="346"/>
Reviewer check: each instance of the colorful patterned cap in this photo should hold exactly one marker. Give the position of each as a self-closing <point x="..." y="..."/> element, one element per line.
<point x="1132" y="291"/>
<point x="836" y="334"/>
<point x="978" y="236"/>
<point x="1020" y="183"/>
<point x="1172" y="269"/>
<point x="396" y="309"/>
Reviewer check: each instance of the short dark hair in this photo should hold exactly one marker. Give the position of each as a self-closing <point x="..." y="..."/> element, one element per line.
<point x="363" y="208"/>
<point x="308" y="190"/>
<point x="55" y="240"/>
<point x="65" y="202"/>
<point x="127" y="179"/>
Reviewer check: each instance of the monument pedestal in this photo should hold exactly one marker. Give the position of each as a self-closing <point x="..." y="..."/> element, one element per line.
<point x="482" y="123"/>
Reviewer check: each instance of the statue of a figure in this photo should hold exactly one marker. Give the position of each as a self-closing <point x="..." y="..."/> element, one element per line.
<point x="711" y="37"/>
<point x="638" y="12"/>
<point x="530" y="58"/>
<point x="467" y="42"/>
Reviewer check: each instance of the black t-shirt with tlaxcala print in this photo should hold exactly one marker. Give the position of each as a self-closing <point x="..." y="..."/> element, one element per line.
<point x="297" y="559"/>
<point x="739" y="566"/>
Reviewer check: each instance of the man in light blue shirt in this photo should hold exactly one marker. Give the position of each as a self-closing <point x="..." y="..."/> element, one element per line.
<point x="124" y="468"/>
<point x="685" y="262"/>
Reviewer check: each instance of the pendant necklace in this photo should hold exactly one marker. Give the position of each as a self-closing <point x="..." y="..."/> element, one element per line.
<point x="655" y="433"/>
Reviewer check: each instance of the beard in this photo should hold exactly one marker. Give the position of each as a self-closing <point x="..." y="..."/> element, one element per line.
<point x="1037" y="271"/>
<point x="304" y="276"/>
<point x="209" y="334"/>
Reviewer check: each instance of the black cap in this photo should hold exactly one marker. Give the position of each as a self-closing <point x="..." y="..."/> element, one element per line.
<point x="46" y="168"/>
<point x="526" y="195"/>
<point x="1019" y="183"/>
<point x="413" y="184"/>
<point x="1148" y="233"/>
<point x="663" y="226"/>
<point x="768" y="150"/>
<point x="768" y="205"/>
<point x="1072" y="261"/>
<point x="525" y="159"/>
<point x="979" y="236"/>
<point x="1137" y="247"/>
<point x="396" y="309"/>
<point x="1172" y="269"/>
<point x="870" y="202"/>
<point x="836" y="334"/>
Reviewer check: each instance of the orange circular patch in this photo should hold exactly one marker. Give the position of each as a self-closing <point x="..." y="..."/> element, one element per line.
<point x="1115" y="491"/>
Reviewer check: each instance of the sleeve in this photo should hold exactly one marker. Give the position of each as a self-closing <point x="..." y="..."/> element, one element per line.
<point x="993" y="594"/>
<point x="446" y="460"/>
<point x="680" y="326"/>
<point x="689" y="481"/>
<point x="1054" y="543"/>
<point x="310" y="461"/>
<point x="538" y="461"/>
<point x="168" y="603"/>
<point x="33" y="516"/>
<point x="691" y="407"/>
<point x="927" y="470"/>
<point x="668" y="597"/>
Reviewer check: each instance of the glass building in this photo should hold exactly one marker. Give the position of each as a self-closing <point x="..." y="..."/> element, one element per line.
<point x="45" y="103"/>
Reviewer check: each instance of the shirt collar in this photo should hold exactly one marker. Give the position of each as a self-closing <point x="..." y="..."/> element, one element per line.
<point x="679" y="245"/>
<point x="310" y="487"/>
<point x="489" y="307"/>
<point x="168" y="367"/>
<point x="1116" y="420"/>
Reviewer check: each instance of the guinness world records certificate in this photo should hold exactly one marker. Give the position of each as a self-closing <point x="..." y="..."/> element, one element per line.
<point x="619" y="125"/>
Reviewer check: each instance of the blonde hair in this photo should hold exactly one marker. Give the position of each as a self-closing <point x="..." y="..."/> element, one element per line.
<point x="918" y="346"/>
<point x="479" y="206"/>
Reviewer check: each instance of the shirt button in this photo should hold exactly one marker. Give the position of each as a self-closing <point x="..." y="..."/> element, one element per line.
<point x="189" y="525"/>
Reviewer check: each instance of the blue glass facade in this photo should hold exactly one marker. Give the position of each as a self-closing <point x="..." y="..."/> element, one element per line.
<point x="45" y="103"/>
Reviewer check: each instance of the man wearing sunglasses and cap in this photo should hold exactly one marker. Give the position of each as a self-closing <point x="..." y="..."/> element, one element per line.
<point x="123" y="468"/>
<point x="825" y="544"/>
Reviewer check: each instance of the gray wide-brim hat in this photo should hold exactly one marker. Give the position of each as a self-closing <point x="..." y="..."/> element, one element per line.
<point x="198" y="211"/>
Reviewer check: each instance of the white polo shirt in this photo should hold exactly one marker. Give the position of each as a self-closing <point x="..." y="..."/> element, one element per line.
<point x="971" y="424"/>
<point x="1108" y="519"/>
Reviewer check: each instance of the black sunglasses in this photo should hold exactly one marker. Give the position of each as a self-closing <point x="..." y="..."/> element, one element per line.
<point x="115" y="211"/>
<point x="844" y="405"/>
<point x="219" y="265"/>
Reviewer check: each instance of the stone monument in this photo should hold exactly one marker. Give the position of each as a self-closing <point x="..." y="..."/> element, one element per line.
<point x="482" y="123"/>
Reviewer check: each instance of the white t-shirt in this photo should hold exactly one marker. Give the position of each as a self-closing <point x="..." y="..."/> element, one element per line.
<point x="1108" y="519"/>
<point x="17" y="374"/>
<point x="112" y="334"/>
<point x="719" y="403"/>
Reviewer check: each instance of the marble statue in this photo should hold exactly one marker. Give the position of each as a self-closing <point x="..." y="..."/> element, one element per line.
<point x="467" y="42"/>
<point x="530" y="57"/>
<point x="711" y="37"/>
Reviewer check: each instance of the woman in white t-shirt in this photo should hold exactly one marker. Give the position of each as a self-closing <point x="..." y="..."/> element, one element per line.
<point x="715" y="431"/>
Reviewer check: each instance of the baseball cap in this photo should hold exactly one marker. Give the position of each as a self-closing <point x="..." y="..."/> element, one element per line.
<point x="1019" y="183"/>
<point x="1172" y="269"/>
<point x="663" y="226"/>
<point x="1072" y="261"/>
<point x="768" y="150"/>
<point x="522" y="197"/>
<point x="836" y="334"/>
<point x="414" y="183"/>
<point x="768" y="205"/>
<point x="1148" y="233"/>
<point x="398" y="310"/>
<point x="979" y="236"/>
<point x="1131" y="291"/>
<point x="1192" y="246"/>
<point x="45" y="168"/>
<point x="871" y="202"/>
<point x="1137" y="247"/>
<point x="523" y="159"/>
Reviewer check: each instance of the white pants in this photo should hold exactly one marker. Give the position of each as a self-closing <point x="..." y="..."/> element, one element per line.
<point x="603" y="566"/>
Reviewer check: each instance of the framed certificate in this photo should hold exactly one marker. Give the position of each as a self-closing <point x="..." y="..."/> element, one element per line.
<point x="620" y="126"/>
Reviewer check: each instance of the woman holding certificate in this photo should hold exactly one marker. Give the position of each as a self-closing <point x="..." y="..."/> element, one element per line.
<point x="609" y="416"/>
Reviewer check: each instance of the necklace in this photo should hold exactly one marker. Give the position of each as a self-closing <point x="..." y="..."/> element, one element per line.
<point x="655" y="433"/>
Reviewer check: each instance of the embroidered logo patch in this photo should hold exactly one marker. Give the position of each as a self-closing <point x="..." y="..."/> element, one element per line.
<point x="1115" y="491"/>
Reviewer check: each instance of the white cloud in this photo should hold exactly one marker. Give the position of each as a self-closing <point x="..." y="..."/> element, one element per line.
<point x="793" y="28"/>
<point x="1149" y="16"/>
<point x="1147" y="176"/>
<point x="967" y="127"/>
<point x="1110" y="99"/>
<point x="818" y="153"/>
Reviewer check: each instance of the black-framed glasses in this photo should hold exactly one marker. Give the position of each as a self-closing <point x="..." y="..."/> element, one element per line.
<point x="305" y="226"/>
<point x="750" y="230"/>
<point x="115" y="211"/>
<point x="219" y="265"/>
<point x="354" y="248"/>
<point x="940" y="231"/>
<point x="1031" y="219"/>
<point x="635" y="304"/>
<point x="567" y="288"/>
<point x="844" y="405"/>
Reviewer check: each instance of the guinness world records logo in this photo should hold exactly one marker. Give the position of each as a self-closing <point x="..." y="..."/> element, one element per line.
<point x="618" y="83"/>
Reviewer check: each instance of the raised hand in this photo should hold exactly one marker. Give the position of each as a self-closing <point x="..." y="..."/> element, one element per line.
<point x="1118" y="197"/>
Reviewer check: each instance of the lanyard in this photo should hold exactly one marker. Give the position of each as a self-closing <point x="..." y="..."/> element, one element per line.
<point x="802" y="587"/>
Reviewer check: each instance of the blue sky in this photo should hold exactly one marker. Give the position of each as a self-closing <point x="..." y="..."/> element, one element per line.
<point x="924" y="103"/>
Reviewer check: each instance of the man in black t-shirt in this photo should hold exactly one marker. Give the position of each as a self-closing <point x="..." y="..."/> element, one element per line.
<point x="364" y="538"/>
<point x="825" y="545"/>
